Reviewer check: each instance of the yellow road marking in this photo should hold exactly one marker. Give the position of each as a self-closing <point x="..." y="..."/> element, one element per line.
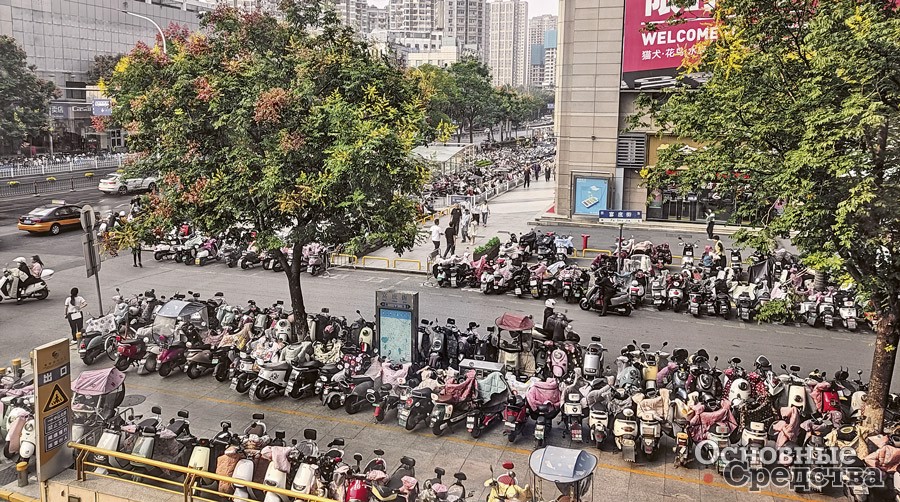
<point x="520" y="451"/>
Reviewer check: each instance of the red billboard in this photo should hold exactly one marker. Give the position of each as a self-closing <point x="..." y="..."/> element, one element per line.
<point x="653" y="49"/>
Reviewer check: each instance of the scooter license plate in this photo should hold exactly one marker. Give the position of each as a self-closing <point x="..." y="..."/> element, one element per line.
<point x="509" y="425"/>
<point x="470" y="423"/>
<point x="539" y="432"/>
<point x="518" y="291"/>
<point x="627" y="442"/>
<point x="214" y="361"/>
<point x="233" y="385"/>
<point x="402" y="416"/>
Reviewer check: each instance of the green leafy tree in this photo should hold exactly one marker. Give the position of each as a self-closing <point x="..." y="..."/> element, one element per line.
<point x="471" y="104"/>
<point x="438" y="87"/>
<point x="24" y="98"/>
<point x="292" y="126"/>
<point x="799" y="121"/>
<point x="103" y="67"/>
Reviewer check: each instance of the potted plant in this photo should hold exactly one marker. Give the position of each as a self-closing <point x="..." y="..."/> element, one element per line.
<point x="490" y="249"/>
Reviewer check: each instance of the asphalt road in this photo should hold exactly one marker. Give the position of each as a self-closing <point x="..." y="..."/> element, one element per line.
<point x="343" y="291"/>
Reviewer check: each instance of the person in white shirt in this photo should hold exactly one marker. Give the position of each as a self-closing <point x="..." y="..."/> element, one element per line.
<point x="74" y="307"/>
<point x="436" y="233"/>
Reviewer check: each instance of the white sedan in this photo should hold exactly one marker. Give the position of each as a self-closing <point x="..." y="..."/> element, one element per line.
<point x="116" y="183"/>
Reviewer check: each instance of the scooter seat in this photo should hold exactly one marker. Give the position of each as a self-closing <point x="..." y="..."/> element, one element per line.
<point x="358" y="379"/>
<point x="131" y="342"/>
<point x="421" y="393"/>
<point x="599" y="406"/>
<point x="310" y="364"/>
<point x="277" y="366"/>
<point x="150" y="422"/>
<point x="329" y="369"/>
<point x="177" y="427"/>
<point x="383" y="492"/>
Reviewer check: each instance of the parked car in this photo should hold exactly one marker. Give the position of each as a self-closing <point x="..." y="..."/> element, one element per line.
<point x="52" y="218"/>
<point x="117" y="183"/>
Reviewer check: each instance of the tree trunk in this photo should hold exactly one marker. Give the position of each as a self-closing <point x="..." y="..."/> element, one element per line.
<point x="820" y="281"/>
<point x="471" y="133"/>
<point x="887" y="338"/>
<point x="298" y="308"/>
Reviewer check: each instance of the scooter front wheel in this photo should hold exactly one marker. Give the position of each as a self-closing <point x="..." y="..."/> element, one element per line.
<point x="438" y="429"/>
<point x="221" y="372"/>
<point x="165" y="369"/>
<point x="352" y="404"/>
<point x="627" y="311"/>
<point x="122" y="364"/>
<point x="411" y="424"/>
<point x="90" y="356"/>
<point x="194" y="371"/>
<point x="476" y="432"/>
<point x="159" y="255"/>
<point x="584" y="304"/>
<point x="333" y="403"/>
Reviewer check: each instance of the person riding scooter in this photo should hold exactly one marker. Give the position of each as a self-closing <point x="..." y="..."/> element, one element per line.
<point x="607" y="290"/>
<point x="21" y="278"/>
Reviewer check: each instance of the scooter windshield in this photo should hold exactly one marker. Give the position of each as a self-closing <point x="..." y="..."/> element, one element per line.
<point x="164" y="326"/>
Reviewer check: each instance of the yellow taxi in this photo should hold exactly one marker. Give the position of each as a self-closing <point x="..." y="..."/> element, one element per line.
<point x="51" y="218"/>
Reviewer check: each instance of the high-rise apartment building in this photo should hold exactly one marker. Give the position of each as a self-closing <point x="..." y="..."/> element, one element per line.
<point x="353" y="13"/>
<point x="550" y="60"/>
<point x="377" y="19"/>
<point x="508" y="42"/>
<point x="467" y="22"/>
<point x="537" y="29"/>
<point x="411" y="15"/>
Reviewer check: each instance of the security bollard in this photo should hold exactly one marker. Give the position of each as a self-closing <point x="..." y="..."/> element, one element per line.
<point x="16" y="367"/>
<point x="584" y="242"/>
<point x="22" y="473"/>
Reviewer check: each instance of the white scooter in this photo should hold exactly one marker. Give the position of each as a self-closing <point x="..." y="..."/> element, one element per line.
<point x="37" y="290"/>
<point x="20" y="434"/>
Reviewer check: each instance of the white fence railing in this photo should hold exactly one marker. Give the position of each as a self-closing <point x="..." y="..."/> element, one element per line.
<point x="12" y="170"/>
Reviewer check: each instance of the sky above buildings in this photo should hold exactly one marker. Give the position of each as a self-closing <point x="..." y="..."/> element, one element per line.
<point x="535" y="7"/>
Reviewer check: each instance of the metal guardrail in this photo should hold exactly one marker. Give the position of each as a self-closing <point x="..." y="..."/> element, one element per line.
<point x="418" y="263"/>
<point x="69" y="166"/>
<point x="192" y="487"/>
<point x="10" y="188"/>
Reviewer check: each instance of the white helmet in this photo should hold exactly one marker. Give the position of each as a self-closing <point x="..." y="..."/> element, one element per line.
<point x="20" y="260"/>
<point x="550" y="303"/>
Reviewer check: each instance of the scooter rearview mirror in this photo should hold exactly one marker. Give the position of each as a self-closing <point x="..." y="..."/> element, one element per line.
<point x="309" y="434"/>
<point x="784" y="367"/>
<point x="665" y="343"/>
<point x="379" y="452"/>
<point x="357" y="457"/>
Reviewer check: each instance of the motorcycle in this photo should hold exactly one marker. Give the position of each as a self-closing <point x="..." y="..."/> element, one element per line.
<point x="493" y="393"/>
<point x="37" y="289"/>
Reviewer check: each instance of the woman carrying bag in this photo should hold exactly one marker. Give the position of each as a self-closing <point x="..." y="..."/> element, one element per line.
<point x="74" y="313"/>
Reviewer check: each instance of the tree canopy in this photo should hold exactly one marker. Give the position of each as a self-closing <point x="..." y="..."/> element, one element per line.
<point x="292" y="126"/>
<point x="24" y="98"/>
<point x="102" y="67"/>
<point x="802" y="111"/>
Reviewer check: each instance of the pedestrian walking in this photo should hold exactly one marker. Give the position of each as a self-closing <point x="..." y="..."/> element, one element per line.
<point x="436" y="233"/>
<point x="450" y="234"/>
<point x="476" y="213"/>
<point x="553" y="167"/>
<point x="710" y="223"/>
<point x="455" y="214"/>
<point x="547" y="173"/>
<point x="136" y="254"/>
<point x="74" y="307"/>
<point x="485" y="211"/>
<point x="527" y="177"/>
<point x="473" y="230"/>
<point x="465" y="222"/>
<point x="537" y="170"/>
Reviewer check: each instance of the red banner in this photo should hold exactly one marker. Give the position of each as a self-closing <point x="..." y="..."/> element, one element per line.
<point x="664" y="47"/>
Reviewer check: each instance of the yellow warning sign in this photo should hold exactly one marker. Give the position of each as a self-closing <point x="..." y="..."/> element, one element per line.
<point x="57" y="399"/>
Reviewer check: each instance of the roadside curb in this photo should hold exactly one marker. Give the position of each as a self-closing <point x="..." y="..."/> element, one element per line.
<point x="16" y="496"/>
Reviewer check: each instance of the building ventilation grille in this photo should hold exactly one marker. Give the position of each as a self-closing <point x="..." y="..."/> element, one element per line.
<point x="631" y="150"/>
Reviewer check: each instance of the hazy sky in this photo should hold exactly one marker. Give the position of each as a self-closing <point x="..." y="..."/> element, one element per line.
<point x="535" y="7"/>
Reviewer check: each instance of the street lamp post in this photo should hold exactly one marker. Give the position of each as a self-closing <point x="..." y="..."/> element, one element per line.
<point x="162" y="36"/>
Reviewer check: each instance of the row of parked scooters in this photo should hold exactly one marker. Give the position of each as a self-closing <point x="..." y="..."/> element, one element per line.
<point x="235" y="248"/>
<point x="252" y="453"/>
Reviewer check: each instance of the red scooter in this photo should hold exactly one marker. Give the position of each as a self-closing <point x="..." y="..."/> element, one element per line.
<point x="514" y="417"/>
<point x="359" y="488"/>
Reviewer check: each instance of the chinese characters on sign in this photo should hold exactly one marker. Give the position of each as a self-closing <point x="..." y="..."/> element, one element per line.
<point x="56" y="430"/>
<point x="620" y="216"/>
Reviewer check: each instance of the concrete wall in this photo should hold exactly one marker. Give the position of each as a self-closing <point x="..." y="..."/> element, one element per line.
<point x="589" y="56"/>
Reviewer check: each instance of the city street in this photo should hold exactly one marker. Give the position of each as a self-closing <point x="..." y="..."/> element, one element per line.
<point x="344" y="291"/>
